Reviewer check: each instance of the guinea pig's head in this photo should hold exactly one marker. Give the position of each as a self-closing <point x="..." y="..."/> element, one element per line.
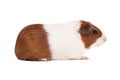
<point x="91" y="35"/>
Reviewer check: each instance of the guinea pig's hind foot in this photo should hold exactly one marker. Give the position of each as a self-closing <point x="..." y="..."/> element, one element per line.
<point x="84" y="58"/>
<point x="43" y="59"/>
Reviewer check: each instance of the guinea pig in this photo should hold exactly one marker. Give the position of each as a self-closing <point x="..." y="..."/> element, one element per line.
<point x="66" y="41"/>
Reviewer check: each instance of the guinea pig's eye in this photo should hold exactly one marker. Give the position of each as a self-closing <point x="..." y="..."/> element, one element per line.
<point x="94" y="31"/>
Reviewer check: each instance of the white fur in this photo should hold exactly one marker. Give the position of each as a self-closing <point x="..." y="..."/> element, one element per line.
<point x="65" y="41"/>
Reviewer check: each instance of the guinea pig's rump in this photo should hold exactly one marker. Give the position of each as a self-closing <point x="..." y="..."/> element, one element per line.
<point x="32" y="43"/>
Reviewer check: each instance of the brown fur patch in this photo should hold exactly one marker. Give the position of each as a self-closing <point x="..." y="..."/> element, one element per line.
<point x="32" y="43"/>
<point x="89" y="33"/>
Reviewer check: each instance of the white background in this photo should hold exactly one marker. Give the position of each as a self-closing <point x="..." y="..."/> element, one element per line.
<point x="104" y="63"/>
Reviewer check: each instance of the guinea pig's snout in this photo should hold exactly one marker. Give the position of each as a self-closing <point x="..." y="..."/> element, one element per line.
<point x="104" y="39"/>
<point x="100" y="41"/>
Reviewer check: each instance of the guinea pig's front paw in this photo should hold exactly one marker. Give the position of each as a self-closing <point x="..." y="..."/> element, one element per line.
<point x="84" y="58"/>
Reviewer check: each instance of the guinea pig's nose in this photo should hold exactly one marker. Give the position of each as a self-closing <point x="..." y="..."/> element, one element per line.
<point x="105" y="39"/>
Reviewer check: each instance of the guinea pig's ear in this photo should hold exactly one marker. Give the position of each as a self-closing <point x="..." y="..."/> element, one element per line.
<point x="84" y="30"/>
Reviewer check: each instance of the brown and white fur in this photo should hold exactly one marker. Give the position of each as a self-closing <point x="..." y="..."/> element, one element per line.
<point x="57" y="41"/>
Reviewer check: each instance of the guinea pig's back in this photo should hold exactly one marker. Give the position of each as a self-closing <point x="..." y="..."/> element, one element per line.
<point x="32" y="43"/>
